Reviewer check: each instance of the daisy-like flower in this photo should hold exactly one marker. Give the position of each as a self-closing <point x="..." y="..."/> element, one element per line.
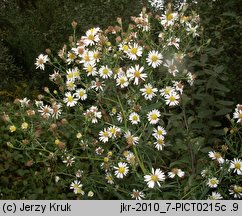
<point x="178" y="86"/>
<point x="24" y="102"/>
<point x="204" y="173"/>
<point x="159" y="143"/>
<point x="90" y="69"/>
<point x="76" y="73"/>
<point x="70" y="85"/>
<point x="148" y="91"/>
<point x="236" y="191"/>
<point x="76" y="186"/>
<point x="213" y="182"/>
<point x="191" y="78"/>
<point x="122" y="81"/>
<point x="134" y="118"/>
<point x="114" y="131"/>
<point x="134" y="51"/>
<point x="109" y="178"/>
<point x="130" y="157"/>
<point x="79" y="50"/>
<point x="215" y="196"/>
<point x="168" y="19"/>
<point x="55" y="76"/>
<point x="176" y="171"/>
<point x="120" y="117"/>
<point x="81" y="94"/>
<point x="56" y="110"/>
<point x="131" y="139"/>
<point x="192" y="29"/>
<point x="70" y="75"/>
<point x="70" y="99"/>
<point x="138" y="195"/>
<point x="135" y="73"/>
<point x="154" y="58"/>
<point x="87" y="58"/>
<point x="39" y="103"/>
<point x="238" y="114"/>
<point x="122" y="170"/>
<point x="96" y="55"/>
<point x="99" y="150"/>
<point x="97" y="85"/>
<point x="174" y="42"/>
<point x="153" y="116"/>
<point x="167" y="91"/>
<point x="216" y="156"/>
<point x="105" y="72"/>
<point x="104" y="135"/>
<point x="91" y="36"/>
<point x="70" y="57"/>
<point x="45" y="111"/>
<point x="172" y="99"/>
<point x="69" y="161"/>
<point x="40" y="61"/>
<point x="172" y="68"/>
<point x="236" y="164"/>
<point x="155" y="177"/>
<point x="160" y="131"/>
<point x="93" y="114"/>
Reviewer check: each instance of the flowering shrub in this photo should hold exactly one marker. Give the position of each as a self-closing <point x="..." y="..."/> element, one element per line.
<point x="115" y="126"/>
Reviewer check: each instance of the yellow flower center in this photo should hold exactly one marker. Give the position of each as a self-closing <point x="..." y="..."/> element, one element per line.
<point x="154" y="178"/>
<point x="112" y="130"/>
<point x="134" y="50"/>
<point x="70" y="75"/>
<point x="135" y="118"/>
<point x="213" y="181"/>
<point x="153" y="116"/>
<point x="148" y="91"/>
<point x="125" y="47"/>
<point x="72" y="56"/>
<point x="41" y="61"/>
<point x="167" y="91"/>
<point x="86" y="58"/>
<point x="81" y="93"/>
<point x="71" y="84"/>
<point x="95" y="55"/>
<point x="154" y="58"/>
<point x="122" y="81"/>
<point x="172" y="98"/>
<point x="121" y="170"/>
<point x="12" y="128"/>
<point x="159" y="132"/>
<point x="137" y="74"/>
<point x="90" y="37"/>
<point x="160" y="141"/>
<point x="70" y="98"/>
<point x="105" y="71"/>
<point x="169" y="16"/>
<point x="217" y="155"/>
<point x="105" y="134"/>
<point x="240" y="115"/>
<point x="237" y="166"/>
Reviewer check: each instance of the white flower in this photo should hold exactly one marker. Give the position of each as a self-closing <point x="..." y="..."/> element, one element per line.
<point x="93" y="114"/>
<point x="138" y="195"/>
<point x="159" y="143"/>
<point x="109" y="178"/>
<point x="122" y="81"/>
<point x="97" y="85"/>
<point x="174" y="42"/>
<point x="148" y="91"/>
<point x="105" y="72"/>
<point x="216" y="156"/>
<point x="134" y="118"/>
<point x="69" y="161"/>
<point x="56" y="110"/>
<point x="91" y="36"/>
<point x="178" y="86"/>
<point x="168" y="19"/>
<point x="69" y="99"/>
<point x="131" y="139"/>
<point x="70" y="75"/>
<point x="70" y="57"/>
<point x="104" y="135"/>
<point x="215" y="196"/>
<point x="172" y="99"/>
<point x="87" y="58"/>
<point x="154" y="58"/>
<point x="236" y="164"/>
<point x="70" y="85"/>
<point x="157" y="4"/>
<point x="160" y="131"/>
<point x="91" y="69"/>
<point x="154" y="178"/>
<point x="122" y="170"/>
<point x="134" y="51"/>
<point x="40" y="61"/>
<point x="236" y="191"/>
<point x="24" y="102"/>
<point x="114" y="131"/>
<point x="45" y="111"/>
<point x="213" y="182"/>
<point x="238" y="113"/>
<point x="120" y="117"/>
<point x="192" y="29"/>
<point x="167" y="91"/>
<point x="172" y="68"/>
<point x="76" y="186"/>
<point x="153" y="116"/>
<point x="175" y="172"/>
<point x="135" y="73"/>
<point x="81" y="94"/>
